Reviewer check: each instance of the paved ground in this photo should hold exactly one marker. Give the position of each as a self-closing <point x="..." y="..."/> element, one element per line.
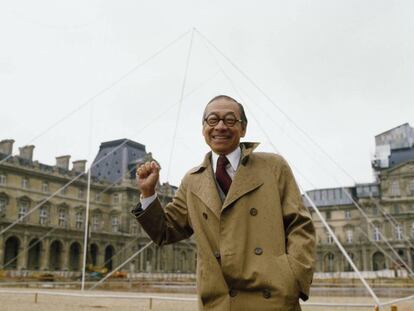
<point x="23" y="301"/>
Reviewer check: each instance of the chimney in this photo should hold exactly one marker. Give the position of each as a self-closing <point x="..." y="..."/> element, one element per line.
<point x="6" y="146"/>
<point x="63" y="162"/>
<point x="79" y="166"/>
<point x="26" y="152"/>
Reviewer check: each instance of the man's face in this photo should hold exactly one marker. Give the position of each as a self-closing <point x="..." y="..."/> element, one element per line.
<point x="221" y="138"/>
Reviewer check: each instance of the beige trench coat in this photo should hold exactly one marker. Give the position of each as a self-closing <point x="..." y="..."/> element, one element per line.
<point x="255" y="250"/>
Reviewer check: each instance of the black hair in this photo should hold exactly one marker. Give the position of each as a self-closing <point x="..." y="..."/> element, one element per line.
<point x="243" y="116"/>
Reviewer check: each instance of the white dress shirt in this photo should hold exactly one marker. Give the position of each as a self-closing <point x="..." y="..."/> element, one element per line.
<point x="231" y="168"/>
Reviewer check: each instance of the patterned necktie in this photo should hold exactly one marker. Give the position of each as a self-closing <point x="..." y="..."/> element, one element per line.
<point x="222" y="176"/>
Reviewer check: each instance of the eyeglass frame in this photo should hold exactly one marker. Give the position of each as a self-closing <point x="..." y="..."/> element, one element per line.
<point x="223" y="119"/>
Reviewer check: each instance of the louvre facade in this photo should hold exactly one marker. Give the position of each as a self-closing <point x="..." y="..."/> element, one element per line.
<point x="42" y="213"/>
<point x="375" y="221"/>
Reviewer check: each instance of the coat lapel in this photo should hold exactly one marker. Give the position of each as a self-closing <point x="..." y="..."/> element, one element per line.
<point x="245" y="180"/>
<point x="204" y="187"/>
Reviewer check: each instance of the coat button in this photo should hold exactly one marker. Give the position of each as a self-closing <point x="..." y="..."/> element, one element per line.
<point x="266" y="294"/>
<point x="233" y="293"/>
<point x="205" y="215"/>
<point x="217" y="254"/>
<point x="253" y="211"/>
<point x="258" y="251"/>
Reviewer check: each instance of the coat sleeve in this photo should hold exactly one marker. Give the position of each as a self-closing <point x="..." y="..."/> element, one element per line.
<point x="299" y="229"/>
<point x="166" y="225"/>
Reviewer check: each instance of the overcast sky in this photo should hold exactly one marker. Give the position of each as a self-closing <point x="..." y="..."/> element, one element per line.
<point x="339" y="71"/>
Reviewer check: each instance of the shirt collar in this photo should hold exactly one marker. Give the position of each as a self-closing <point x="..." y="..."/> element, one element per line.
<point x="233" y="157"/>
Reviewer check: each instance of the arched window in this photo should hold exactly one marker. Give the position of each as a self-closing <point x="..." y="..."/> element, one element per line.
<point x="376" y="232"/>
<point x="348" y="266"/>
<point x="79" y="220"/>
<point x="378" y="261"/>
<point x="329" y="262"/>
<point x="24" y="205"/>
<point x="349" y="235"/>
<point x="62" y="217"/>
<point x="3" y="204"/>
<point x="115" y="223"/>
<point x="398" y="232"/>
<point x="96" y="222"/>
<point x="44" y="215"/>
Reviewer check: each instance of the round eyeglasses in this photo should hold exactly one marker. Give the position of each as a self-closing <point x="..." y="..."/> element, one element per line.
<point x="229" y="120"/>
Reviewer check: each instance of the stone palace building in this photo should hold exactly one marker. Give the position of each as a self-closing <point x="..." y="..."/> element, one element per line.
<point x="374" y="221"/>
<point x="43" y="209"/>
<point x="46" y="206"/>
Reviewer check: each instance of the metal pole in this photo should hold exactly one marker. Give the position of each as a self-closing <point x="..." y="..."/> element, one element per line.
<point x="85" y="237"/>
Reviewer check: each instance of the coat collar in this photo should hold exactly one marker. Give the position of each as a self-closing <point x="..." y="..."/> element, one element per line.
<point x="244" y="181"/>
<point x="246" y="149"/>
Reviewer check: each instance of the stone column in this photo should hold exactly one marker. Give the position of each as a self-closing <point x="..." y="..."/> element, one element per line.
<point x="409" y="259"/>
<point x="364" y="259"/>
<point x="44" y="264"/>
<point x="22" y="254"/>
<point x="2" y="247"/>
<point x="141" y="260"/>
<point x="64" y="257"/>
<point x="100" y="256"/>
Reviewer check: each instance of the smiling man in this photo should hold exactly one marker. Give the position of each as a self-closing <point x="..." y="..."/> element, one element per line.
<point x="255" y="239"/>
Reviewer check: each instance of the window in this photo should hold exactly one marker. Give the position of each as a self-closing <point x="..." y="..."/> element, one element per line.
<point x="134" y="228"/>
<point x="63" y="190"/>
<point x="347" y="214"/>
<point x="329" y="238"/>
<point x="96" y="222"/>
<point x="330" y="263"/>
<point x="398" y="232"/>
<point x="348" y="266"/>
<point x="81" y="193"/>
<point x="62" y="217"/>
<point x="79" y="220"/>
<point x="412" y="230"/>
<point x="349" y="235"/>
<point x="115" y="223"/>
<point x="43" y="214"/>
<point x="115" y="198"/>
<point x="377" y="234"/>
<point x="45" y="186"/>
<point x="23" y="208"/>
<point x="396" y="209"/>
<point x="328" y="215"/>
<point x="395" y="188"/>
<point x="97" y="196"/>
<point x="374" y="210"/>
<point x="3" y="203"/>
<point x="25" y="183"/>
<point x="410" y="187"/>
<point x="3" y="179"/>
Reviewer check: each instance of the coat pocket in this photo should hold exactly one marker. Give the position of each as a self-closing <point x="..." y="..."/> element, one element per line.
<point x="287" y="283"/>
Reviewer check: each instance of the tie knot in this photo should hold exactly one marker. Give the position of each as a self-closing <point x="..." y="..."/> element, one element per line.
<point x="222" y="161"/>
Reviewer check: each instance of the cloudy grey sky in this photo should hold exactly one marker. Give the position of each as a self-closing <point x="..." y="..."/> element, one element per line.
<point x="342" y="71"/>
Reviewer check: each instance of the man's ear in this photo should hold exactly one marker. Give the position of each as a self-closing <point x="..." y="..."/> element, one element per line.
<point x="244" y="130"/>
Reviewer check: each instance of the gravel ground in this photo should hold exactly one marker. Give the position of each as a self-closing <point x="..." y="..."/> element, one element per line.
<point x="23" y="301"/>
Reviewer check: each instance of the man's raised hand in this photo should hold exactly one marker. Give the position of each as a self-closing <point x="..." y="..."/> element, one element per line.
<point x="147" y="177"/>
